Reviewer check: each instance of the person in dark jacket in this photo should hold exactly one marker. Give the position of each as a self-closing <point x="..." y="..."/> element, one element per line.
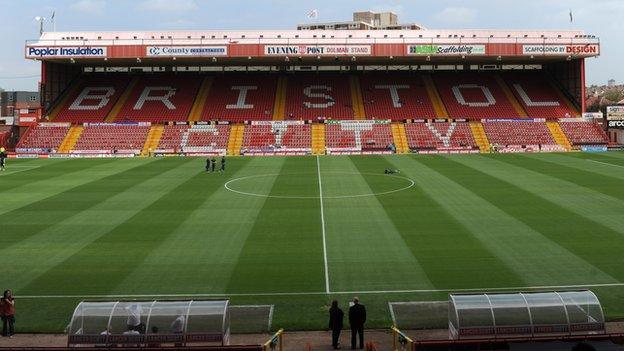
<point x="3" y="157"/>
<point x="357" y="318"/>
<point x="213" y="164"/>
<point x="7" y="311"/>
<point x="336" y="317"/>
<point x="208" y="164"/>
<point x="222" y="164"/>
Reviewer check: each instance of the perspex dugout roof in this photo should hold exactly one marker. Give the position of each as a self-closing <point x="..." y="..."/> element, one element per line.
<point x="149" y="322"/>
<point x="524" y="314"/>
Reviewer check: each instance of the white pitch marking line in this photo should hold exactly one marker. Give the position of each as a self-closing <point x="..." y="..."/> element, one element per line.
<point x="320" y="183"/>
<point x="25" y="168"/>
<point x="392" y="313"/>
<point x="228" y="186"/>
<point x="370" y="292"/>
<point x="606" y="163"/>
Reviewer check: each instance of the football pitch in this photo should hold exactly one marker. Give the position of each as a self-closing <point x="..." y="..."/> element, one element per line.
<point x="296" y="232"/>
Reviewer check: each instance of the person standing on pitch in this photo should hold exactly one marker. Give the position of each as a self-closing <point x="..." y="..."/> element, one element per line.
<point x="3" y="157"/>
<point x="208" y="164"/>
<point x="7" y="311"/>
<point x="222" y="164"/>
<point x="357" y="318"/>
<point x="213" y="164"/>
<point x="336" y="317"/>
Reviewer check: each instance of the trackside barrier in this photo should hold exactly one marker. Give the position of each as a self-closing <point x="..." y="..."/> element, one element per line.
<point x="507" y="343"/>
<point x="400" y="341"/>
<point x="276" y="342"/>
<point x="122" y="348"/>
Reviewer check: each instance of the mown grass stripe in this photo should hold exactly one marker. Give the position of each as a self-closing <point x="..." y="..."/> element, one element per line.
<point x="64" y="238"/>
<point x="513" y="191"/>
<point x="613" y="154"/>
<point x="443" y="247"/>
<point x="49" y="182"/>
<point x="534" y="258"/>
<point x="283" y="251"/>
<point x="101" y="265"/>
<point x="600" y="208"/>
<point x="608" y="185"/>
<point x="598" y="166"/>
<point x="9" y="180"/>
<point x="203" y="251"/>
<point x="23" y="222"/>
<point x="365" y="250"/>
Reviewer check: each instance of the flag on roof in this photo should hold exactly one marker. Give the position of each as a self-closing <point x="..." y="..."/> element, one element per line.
<point x="313" y="13"/>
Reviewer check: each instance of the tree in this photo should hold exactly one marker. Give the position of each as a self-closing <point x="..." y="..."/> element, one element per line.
<point x="613" y="95"/>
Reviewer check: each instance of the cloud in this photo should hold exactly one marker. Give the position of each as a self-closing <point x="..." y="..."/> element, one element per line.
<point x="456" y="16"/>
<point x="168" y="6"/>
<point x="88" y="6"/>
<point x="397" y="9"/>
<point x="180" y="23"/>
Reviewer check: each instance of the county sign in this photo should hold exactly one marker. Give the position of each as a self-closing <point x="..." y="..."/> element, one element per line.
<point x="173" y="51"/>
<point x="446" y="50"/>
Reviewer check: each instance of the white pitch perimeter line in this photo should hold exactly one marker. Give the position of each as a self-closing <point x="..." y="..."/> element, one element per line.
<point x="315" y="293"/>
<point x="320" y="183"/>
<point x="606" y="163"/>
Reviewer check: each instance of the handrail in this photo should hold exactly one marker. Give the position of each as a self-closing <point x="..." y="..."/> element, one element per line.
<point x="276" y="341"/>
<point x="400" y="339"/>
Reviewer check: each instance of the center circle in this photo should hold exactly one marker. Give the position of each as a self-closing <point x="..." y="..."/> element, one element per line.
<point x="388" y="183"/>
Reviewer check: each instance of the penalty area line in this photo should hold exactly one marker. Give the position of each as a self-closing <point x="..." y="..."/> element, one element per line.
<point x="606" y="163"/>
<point x="313" y="293"/>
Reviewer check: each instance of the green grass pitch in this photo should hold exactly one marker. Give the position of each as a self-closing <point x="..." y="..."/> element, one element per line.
<point x="82" y="229"/>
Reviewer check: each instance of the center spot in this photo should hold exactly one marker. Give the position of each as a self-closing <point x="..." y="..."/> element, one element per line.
<point x="335" y="185"/>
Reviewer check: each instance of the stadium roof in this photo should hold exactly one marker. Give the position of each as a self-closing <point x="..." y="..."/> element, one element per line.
<point x="310" y="47"/>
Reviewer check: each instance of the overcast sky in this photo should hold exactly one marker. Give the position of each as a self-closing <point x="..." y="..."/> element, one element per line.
<point x="603" y="18"/>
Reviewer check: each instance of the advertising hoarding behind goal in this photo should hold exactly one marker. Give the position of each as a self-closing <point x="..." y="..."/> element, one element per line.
<point x="615" y="113"/>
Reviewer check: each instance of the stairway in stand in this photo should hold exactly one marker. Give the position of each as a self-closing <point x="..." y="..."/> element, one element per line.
<point x="71" y="139"/>
<point x="236" y="140"/>
<point x="479" y="136"/>
<point x="558" y="135"/>
<point x="318" y="139"/>
<point x="400" y="139"/>
<point x="153" y="139"/>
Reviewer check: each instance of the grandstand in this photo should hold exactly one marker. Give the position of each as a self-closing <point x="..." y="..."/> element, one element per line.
<point x="438" y="102"/>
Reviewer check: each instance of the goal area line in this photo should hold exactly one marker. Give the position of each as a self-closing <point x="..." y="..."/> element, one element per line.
<point x="316" y="293"/>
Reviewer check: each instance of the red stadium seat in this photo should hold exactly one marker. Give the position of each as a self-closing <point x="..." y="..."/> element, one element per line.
<point x="473" y="96"/>
<point x="106" y="138"/>
<point x="518" y="133"/>
<point x="439" y="136"/>
<point x="93" y="100"/>
<point x="43" y="138"/>
<point x="161" y="98"/>
<point x="310" y="96"/>
<point x="395" y="96"/>
<point x="537" y="96"/>
<point x="358" y="136"/>
<point x="584" y="133"/>
<point x="277" y="137"/>
<point x="241" y="98"/>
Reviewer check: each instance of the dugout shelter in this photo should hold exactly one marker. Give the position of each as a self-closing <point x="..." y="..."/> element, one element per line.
<point x="507" y="315"/>
<point x="149" y="323"/>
